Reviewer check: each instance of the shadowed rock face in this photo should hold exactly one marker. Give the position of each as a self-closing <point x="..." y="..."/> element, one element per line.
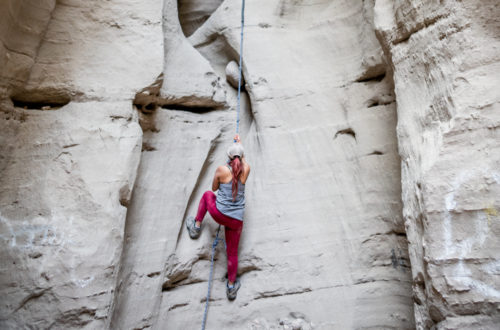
<point x="23" y="25"/>
<point x="67" y="171"/>
<point x="193" y="13"/>
<point x="112" y="130"/>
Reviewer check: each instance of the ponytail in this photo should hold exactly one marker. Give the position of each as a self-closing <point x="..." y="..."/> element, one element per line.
<point x="235" y="164"/>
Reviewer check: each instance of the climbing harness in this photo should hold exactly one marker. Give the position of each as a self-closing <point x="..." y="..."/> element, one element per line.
<point x="217" y="239"/>
<point x="214" y="245"/>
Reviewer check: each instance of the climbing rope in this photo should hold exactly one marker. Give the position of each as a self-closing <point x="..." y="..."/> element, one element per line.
<point x="240" y="65"/>
<point x="217" y="239"/>
<point x="214" y="245"/>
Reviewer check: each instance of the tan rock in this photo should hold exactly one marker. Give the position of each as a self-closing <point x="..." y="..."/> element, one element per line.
<point x="61" y="219"/>
<point x="67" y="174"/>
<point x="189" y="80"/>
<point x="446" y="71"/>
<point x="22" y="28"/>
<point x="233" y="75"/>
<point x="95" y="50"/>
<point x="335" y="189"/>
<point x="323" y="240"/>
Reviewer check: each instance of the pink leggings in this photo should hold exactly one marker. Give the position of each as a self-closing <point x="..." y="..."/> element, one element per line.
<point x="232" y="228"/>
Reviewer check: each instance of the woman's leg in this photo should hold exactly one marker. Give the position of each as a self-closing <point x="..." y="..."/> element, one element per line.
<point x="207" y="203"/>
<point x="232" y="242"/>
<point x="233" y="228"/>
<point x="207" y="199"/>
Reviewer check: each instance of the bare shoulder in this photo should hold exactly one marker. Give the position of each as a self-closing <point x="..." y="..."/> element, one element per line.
<point x="223" y="173"/>
<point x="223" y="169"/>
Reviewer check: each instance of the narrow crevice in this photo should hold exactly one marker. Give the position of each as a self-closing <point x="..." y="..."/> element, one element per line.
<point x="115" y="118"/>
<point x="399" y="260"/>
<point x="178" y="306"/>
<point x="147" y="326"/>
<point x="376" y="78"/>
<point x="147" y="99"/>
<point x="77" y="318"/>
<point x="19" y="52"/>
<point x="423" y="25"/>
<point x="194" y="109"/>
<point x="203" y="172"/>
<point x="70" y="145"/>
<point x="179" y="283"/>
<point x="265" y="295"/>
<point x="347" y="131"/>
<point x="154" y="274"/>
<point x="247" y="269"/>
<point x="373" y="280"/>
<point x="406" y="263"/>
<point x="378" y="102"/>
<point x="126" y="197"/>
<point x="454" y="261"/>
<point x="211" y="300"/>
<point x="147" y="147"/>
<point x="389" y="233"/>
<point x="40" y="105"/>
<point x="32" y="296"/>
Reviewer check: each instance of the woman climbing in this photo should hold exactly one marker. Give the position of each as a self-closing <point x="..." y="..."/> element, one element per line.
<point x="226" y="209"/>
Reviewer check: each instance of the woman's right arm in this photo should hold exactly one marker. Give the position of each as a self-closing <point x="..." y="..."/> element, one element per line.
<point x="246" y="168"/>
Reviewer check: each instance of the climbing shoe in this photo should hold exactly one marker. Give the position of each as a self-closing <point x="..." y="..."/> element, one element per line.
<point x="231" y="291"/>
<point x="194" y="232"/>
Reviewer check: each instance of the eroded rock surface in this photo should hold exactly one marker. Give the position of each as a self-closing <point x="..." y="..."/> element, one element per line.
<point x="22" y="28"/>
<point x="94" y="191"/>
<point x="323" y="241"/>
<point x="189" y="79"/>
<point x="70" y="147"/>
<point x="446" y="61"/>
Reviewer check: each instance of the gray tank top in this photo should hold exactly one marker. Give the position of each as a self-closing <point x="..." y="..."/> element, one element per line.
<point x="225" y="203"/>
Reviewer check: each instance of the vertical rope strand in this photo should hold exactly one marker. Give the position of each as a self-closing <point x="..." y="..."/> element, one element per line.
<point x="240" y="65"/>
<point x="214" y="245"/>
<point x="217" y="239"/>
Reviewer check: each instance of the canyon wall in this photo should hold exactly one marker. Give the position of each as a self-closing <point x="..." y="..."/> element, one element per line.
<point x="372" y="132"/>
<point x="21" y="31"/>
<point x="70" y="145"/>
<point x="323" y="240"/>
<point x="446" y="62"/>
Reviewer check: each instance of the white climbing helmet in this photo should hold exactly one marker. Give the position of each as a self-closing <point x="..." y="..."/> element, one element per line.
<point x="235" y="149"/>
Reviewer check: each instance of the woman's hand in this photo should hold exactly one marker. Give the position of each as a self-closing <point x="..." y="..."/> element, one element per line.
<point x="237" y="138"/>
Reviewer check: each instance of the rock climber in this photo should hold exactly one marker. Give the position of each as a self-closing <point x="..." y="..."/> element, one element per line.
<point x="226" y="208"/>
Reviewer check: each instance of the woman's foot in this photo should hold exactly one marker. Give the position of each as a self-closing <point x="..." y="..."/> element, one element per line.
<point x="193" y="230"/>
<point x="232" y="290"/>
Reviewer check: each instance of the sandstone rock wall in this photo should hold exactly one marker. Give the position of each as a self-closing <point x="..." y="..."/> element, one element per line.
<point x="23" y="25"/>
<point x="364" y="122"/>
<point x="324" y="240"/>
<point x="445" y="57"/>
<point x="70" y="146"/>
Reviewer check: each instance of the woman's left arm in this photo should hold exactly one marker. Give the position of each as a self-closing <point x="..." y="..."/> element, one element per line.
<point x="215" y="182"/>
